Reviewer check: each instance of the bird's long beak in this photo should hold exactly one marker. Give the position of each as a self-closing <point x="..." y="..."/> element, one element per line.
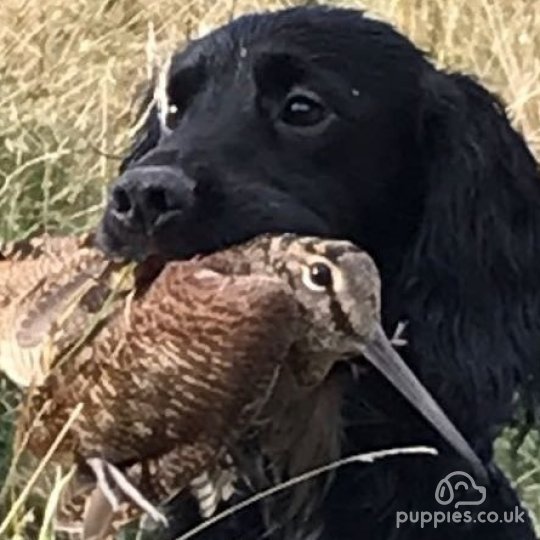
<point x="382" y="355"/>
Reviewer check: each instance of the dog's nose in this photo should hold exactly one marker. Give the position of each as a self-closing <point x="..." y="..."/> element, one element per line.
<point x="145" y="197"/>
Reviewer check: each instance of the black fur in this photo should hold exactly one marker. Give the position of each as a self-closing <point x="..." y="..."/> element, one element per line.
<point x="419" y="166"/>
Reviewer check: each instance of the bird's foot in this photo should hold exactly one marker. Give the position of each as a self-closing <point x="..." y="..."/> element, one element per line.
<point x="101" y="468"/>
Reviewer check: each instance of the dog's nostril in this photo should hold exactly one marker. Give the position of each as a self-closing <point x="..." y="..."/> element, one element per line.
<point x="156" y="199"/>
<point x="121" y="201"/>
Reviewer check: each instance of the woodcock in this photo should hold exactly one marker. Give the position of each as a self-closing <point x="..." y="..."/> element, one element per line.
<point x="199" y="354"/>
<point x="51" y="290"/>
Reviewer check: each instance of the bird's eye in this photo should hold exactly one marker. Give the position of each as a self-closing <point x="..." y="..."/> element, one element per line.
<point x="318" y="276"/>
<point x="303" y="110"/>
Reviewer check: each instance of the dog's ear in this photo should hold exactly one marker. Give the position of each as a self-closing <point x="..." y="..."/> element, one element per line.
<point x="149" y="131"/>
<point x="473" y="277"/>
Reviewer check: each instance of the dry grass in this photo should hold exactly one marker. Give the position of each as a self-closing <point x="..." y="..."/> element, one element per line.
<point x="67" y="72"/>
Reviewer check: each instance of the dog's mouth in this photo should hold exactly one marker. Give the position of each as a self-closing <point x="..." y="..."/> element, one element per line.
<point x="139" y="247"/>
<point x="171" y="237"/>
<point x="209" y="227"/>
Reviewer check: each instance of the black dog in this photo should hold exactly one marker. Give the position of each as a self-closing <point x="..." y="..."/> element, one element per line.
<point x="323" y="121"/>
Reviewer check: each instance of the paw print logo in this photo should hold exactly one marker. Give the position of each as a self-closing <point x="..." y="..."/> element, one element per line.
<point x="447" y="489"/>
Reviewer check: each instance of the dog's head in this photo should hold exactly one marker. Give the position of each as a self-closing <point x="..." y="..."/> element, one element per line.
<point x="323" y="121"/>
<point x="305" y="120"/>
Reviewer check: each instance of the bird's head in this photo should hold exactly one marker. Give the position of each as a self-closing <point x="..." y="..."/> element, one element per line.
<point x="337" y="287"/>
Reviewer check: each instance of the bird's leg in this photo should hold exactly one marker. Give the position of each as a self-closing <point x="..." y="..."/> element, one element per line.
<point x="135" y="495"/>
<point x="98" y="468"/>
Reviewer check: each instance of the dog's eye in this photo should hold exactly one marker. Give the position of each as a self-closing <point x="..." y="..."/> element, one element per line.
<point x="169" y="116"/>
<point x="303" y="109"/>
<point x="172" y="116"/>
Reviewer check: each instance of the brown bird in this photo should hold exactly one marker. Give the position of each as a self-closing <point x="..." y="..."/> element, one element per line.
<point x="206" y="353"/>
<point x="52" y="289"/>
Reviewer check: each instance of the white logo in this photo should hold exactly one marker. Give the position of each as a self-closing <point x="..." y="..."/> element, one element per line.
<point x="447" y="493"/>
<point x="447" y="487"/>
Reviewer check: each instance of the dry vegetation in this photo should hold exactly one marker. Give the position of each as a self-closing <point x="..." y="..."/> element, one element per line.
<point x="66" y="87"/>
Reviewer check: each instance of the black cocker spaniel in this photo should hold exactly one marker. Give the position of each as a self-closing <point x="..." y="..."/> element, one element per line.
<point x="321" y="120"/>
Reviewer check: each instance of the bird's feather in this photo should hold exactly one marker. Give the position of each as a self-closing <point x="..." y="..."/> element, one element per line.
<point x="51" y="290"/>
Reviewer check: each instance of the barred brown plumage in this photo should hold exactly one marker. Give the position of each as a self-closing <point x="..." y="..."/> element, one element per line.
<point x="208" y="352"/>
<point x="52" y="289"/>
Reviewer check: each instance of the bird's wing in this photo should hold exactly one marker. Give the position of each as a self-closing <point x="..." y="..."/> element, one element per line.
<point x="50" y="290"/>
<point x="192" y="353"/>
<point x="236" y="331"/>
